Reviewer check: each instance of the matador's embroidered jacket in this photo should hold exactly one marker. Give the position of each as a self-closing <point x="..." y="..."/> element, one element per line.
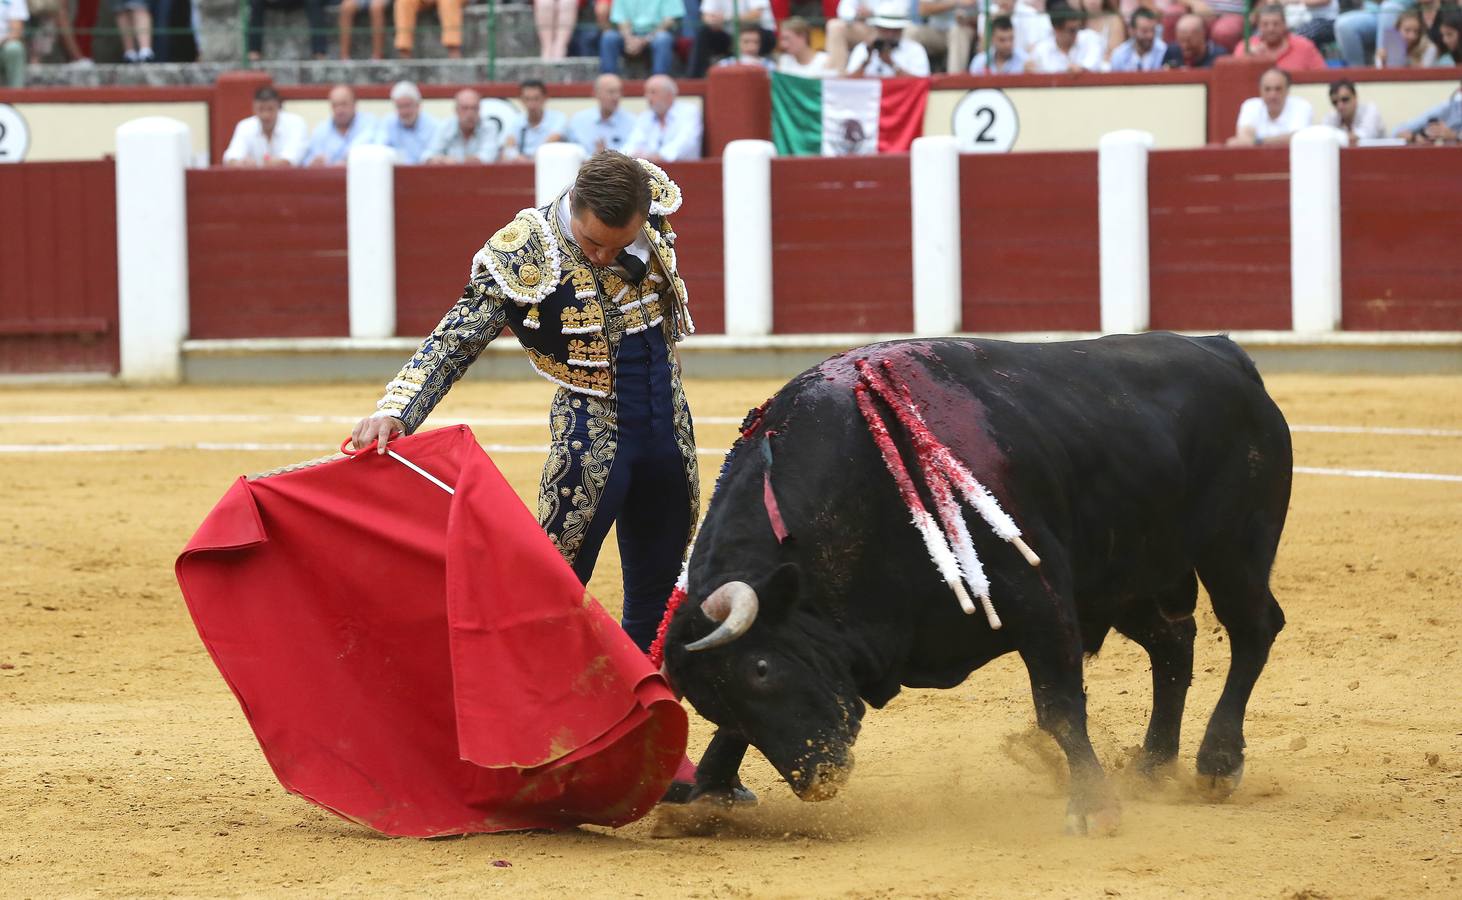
<point x="568" y="314"/>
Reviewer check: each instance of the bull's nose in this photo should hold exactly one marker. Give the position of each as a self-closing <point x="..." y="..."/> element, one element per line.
<point x="827" y="779"/>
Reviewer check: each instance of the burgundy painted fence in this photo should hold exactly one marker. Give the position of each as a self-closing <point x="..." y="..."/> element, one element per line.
<point x="267" y="253"/>
<point x="1400" y="267"/>
<point x="1029" y="242"/>
<point x="841" y="245"/>
<point x="58" y="268"/>
<point x="1219" y="238"/>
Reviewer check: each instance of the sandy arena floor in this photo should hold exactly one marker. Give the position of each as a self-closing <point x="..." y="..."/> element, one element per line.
<point x="127" y="767"/>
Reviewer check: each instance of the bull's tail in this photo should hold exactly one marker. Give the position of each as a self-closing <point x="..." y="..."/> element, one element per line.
<point x="951" y="547"/>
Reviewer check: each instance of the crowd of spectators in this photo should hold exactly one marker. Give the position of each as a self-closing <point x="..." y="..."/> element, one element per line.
<point x="1276" y="115"/>
<point x="667" y="130"/>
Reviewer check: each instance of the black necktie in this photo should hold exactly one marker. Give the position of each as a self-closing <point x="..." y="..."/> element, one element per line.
<point x="633" y="266"/>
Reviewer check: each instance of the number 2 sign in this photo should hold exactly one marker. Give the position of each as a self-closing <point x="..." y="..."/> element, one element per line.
<point x="985" y="122"/>
<point x="14" y="135"/>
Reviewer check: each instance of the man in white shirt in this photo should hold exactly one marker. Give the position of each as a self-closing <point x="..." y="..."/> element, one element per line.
<point x="539" y="125"/>
<point x="668" y="131"/>
<point x="798" y="57"/>
<point x="13" y="16"/>
<point x="464" y="140"/>
<point x="888" y="54"/>
<point x="1359" y="121"/>
<point x="1144" y="50"/>
<point x="270" y="137"/>
<point x="1072" y="47"/>
<point x="605" y="126"/>
<point x="1272" y="117"/>
<point x="333" y="138"/>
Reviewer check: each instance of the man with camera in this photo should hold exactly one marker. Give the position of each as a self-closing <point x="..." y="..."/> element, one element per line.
<point x="888" y="54"/>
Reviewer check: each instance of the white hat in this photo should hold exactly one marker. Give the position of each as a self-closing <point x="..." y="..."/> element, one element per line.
<point x="890" y="14"/>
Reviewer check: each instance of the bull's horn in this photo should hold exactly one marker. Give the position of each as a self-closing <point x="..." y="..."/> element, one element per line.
<point x="734" y="605"/>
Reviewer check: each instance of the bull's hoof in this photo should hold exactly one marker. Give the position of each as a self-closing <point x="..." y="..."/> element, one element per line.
<point x="1102" y="822"/>
<point x="704" y="815"/>
<point x="1218" y="788"/>
<point x="685" y="792"/>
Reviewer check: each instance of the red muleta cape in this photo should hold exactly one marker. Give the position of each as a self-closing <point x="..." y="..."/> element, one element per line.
<point x="425" y="663"/>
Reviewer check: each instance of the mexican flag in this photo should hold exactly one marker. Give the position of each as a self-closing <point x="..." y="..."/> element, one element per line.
<point x="846" y="116"/>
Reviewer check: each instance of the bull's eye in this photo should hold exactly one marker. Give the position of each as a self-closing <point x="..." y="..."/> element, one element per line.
<point x="761" y="668"/>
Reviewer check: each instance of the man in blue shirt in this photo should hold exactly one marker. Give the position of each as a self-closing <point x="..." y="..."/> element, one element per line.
<point x="604" y="126"/>
<point x="1005" y="58"/>
<point x="1144" y="50"/>
<point x="668" y="131"/>
<point x="1442" y="124"/>
<point x="637" y="27"/>
<point x="332" y="140"/>
<point x="408" y="130"/>
<point x="538" y="126"/>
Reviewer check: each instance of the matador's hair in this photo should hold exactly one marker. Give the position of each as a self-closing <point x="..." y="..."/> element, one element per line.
<point x="615" y="188"/>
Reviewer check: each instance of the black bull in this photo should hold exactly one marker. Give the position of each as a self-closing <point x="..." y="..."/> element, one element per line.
<point x="1134" y="465"/>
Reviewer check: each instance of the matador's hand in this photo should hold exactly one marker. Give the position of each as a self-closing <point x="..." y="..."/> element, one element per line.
<point x="376" y="428"/>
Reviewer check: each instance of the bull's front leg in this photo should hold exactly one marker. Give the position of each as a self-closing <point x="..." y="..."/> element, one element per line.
<point x="717" y="777"/>
<point x="1054" y="665"/>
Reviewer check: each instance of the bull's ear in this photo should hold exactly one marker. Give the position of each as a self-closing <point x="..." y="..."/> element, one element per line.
<point x="779" y="594"/>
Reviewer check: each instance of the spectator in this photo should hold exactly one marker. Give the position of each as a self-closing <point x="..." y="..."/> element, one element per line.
<point x="270" y="137"/>
<point x="1373" y="29"/>
<point x="640" y="27"/>
<point x="464" y="140"/>
<point x="346" y="127"/>
<point x="1439" y="125"/>
<point x="848" y="29"/>
<point x="539" y="125"/>
<point x="1360" y="121"/>
<point x="1420" y="51"/>
<point x="1275" y="44"/>
<point x="1031" y="25"/>
<point x="555" y="20"/>
<point x="749" y="43"/>
<point x="1223" y="20"/>
<point x="48" y="19"/>
<point x="798" y="57"/>
<point x="1003" y="57"/>
<point x="1103" y="18"/>
<point x="714" y="36"/>
<point x="1449" y="38"/>
<point x="1144" y="51"/>
<point x="13" y="16"/>
<point x="606" y="126"/>
<point x="944" y="34"/>
<point x="888" y="54"/>
<point x="408" y="130"/>
<point x="1071" y="46"/>
<point x="1192" y="49"/>
<point x="668" y="131"/>
<point x="134" y="25"/>
<point x="314" y="12"/>
<point x="1313" y="19"/>
<point x="1273" y="116"/>
<point x="449" y="12"/>
<point x="377" y="11"/>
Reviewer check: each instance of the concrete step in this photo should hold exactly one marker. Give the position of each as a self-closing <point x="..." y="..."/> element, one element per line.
<point x="422" y="71"/>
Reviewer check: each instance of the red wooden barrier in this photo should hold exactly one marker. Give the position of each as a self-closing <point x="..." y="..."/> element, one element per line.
<point x="444" y="214"/>
<point x="700" y="235"/>
<point x="58" y="268"/>
<point x="1028" y="227"/>
<point x="267" y="253"/>
<point x="1219" y="239"/>
<point x="841" y="245"/>
<point x="1400" y="267"/>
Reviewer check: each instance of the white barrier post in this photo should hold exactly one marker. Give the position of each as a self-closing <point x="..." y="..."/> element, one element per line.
<point x="152" y="247"/>
<point x="1314" y="229"/>
<point x="370" y="220"/>
<point x="934" y="196"/>
<point x="1122" y="223"/>
<point x="746" y="196"/>
<point x="554" y="168"/>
